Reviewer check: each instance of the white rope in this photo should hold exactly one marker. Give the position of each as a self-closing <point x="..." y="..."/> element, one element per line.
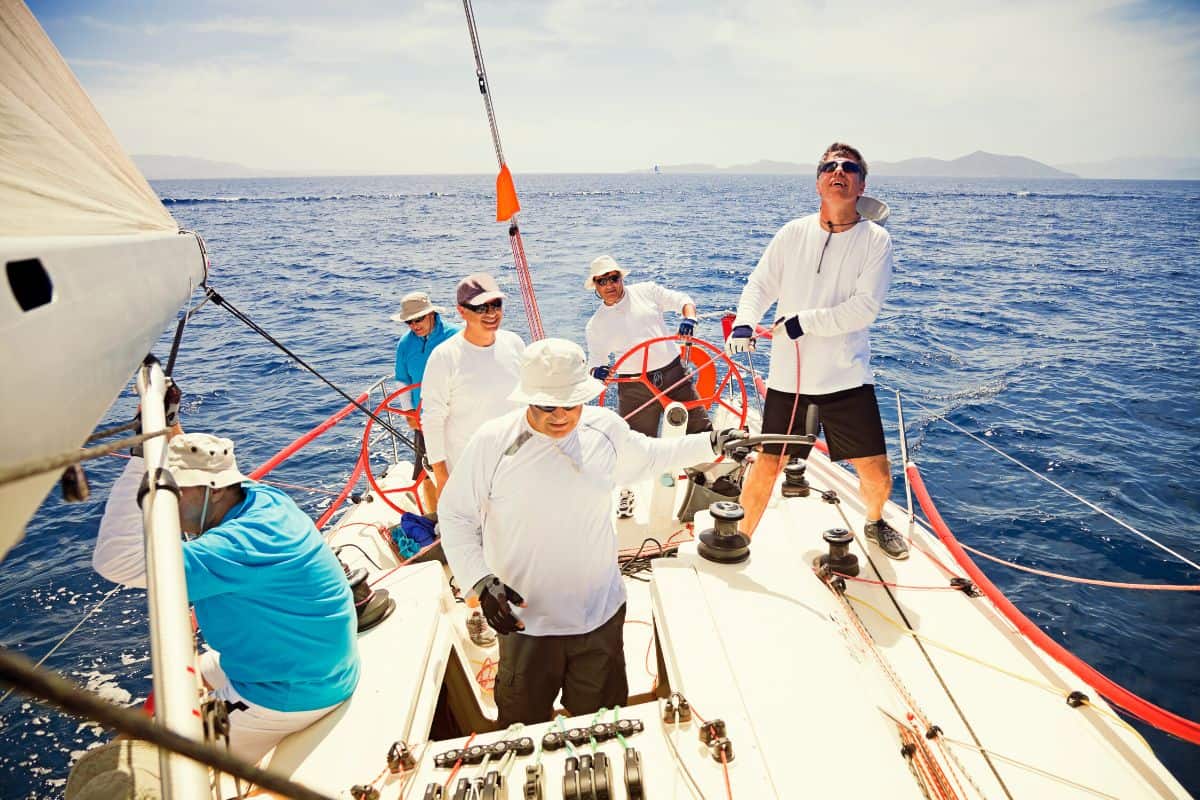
<point x="1060" y="487"/>
<point x="70" y="633"/>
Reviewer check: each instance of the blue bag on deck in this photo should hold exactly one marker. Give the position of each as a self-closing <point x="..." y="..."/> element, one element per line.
<point x="419" y="529"/>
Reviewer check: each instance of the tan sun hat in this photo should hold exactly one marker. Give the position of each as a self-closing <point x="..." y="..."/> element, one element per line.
<point x="554" y="373"/>
<point x="201" y="459"/>
<point x="602" y="266"/>
<point x="415" y="305"/>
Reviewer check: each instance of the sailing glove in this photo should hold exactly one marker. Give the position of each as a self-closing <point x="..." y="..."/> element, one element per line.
<point x="600" y="373"/>
<point x="792" y="326"/>
<point x="687" y="327"/>
<point x="723" y="441"/>
<point x="740" y="340"/>
<point x="496" y="599"/>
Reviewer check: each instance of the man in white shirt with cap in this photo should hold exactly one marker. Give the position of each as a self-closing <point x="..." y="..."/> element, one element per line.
<point x="526" y="522"/>
<point x="468" y="377"/>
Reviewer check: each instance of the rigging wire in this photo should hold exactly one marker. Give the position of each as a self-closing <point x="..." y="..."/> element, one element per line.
<point x="39" y="466"/>
<point x="254" y="326"/>
<point x="939" y="415"/>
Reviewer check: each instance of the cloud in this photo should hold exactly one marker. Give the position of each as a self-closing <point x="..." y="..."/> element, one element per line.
<point x="585" y="86"/>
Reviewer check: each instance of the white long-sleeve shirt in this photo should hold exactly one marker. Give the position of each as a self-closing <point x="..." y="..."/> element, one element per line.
<point x="835" y="306"/>
<point x="636" y="317"/>
<point x="463" y="387"/>
<point x="537" y="512"/>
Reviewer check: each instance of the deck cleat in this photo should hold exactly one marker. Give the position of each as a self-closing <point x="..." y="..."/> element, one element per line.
<point x="794" y="482"/>
<point x="432" y="792"/>
<point x="839" y="559"/>
<point x="711" y="731"/>
<point x="400" y="758"/>
<point x="724" y="543"/>
<point x="722" y="750"/>
<point x="363" y="792"/>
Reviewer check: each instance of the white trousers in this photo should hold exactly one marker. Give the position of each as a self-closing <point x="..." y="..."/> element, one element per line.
<point x="254" y="730"/>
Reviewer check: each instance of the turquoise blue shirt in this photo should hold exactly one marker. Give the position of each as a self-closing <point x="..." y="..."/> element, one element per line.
<point x="413" y="351"/>
<point x="272" y="598"/>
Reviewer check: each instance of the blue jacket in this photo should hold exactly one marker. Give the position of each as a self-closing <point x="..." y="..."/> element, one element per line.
<point x="413" y="351"/>
<point x="272" y="599"/>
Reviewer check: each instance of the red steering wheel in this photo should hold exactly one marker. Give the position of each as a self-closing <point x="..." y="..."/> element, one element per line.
<point x="703" y="359"/>
<point x="365" y="453"/>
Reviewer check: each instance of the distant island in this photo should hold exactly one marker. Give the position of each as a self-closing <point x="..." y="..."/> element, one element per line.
<point x="976" y="165"/>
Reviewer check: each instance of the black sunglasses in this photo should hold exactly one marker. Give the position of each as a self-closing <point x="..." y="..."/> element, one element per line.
<point x="483" y="308"/>
<point x="552" y="409"/>
<point x="411" y="322"/>
<point x="605" y="280"/>
<point x="848" y="167"/>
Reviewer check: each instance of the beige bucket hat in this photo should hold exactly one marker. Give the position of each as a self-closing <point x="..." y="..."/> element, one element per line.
<point x="415" y="305"/>
<point x="602" y="266"/>
<point x="554" y="373"/>
<point x="201" y="459"/>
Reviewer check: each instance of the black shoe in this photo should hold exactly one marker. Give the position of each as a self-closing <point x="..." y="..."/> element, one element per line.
<point x="888" y="539"/>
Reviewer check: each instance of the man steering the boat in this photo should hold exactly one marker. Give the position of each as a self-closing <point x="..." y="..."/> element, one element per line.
<point x="426" y="330"/>
<point x="469" y="376"/>
<point x="829" y="273"/>
<point x="527" y="525"/>
<point x="269" y="595"/>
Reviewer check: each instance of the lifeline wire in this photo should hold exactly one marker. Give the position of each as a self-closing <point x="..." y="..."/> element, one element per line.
<point x="254" y="326"/>
<point x="1059" y="486"/>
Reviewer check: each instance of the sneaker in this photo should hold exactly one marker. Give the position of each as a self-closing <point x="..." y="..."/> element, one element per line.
<point x="625" y="504"/>
<point x="888" y="539"/>
<point x="478" y="630"/>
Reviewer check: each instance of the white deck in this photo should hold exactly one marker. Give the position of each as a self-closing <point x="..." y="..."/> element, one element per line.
<point x="770" y="649"/>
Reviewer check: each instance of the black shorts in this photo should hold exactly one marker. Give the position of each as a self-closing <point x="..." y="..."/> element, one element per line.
<point x="849" y="419"/>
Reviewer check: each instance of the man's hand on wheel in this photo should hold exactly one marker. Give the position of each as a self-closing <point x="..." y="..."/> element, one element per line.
<point x="741" y="340"/>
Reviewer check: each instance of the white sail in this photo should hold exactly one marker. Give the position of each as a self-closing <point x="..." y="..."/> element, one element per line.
<point x="94" y="266"/>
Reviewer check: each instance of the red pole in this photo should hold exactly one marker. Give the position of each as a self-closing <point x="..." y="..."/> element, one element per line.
<point x="290" y="450"/>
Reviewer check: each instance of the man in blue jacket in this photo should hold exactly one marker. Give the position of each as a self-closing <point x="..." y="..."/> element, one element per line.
<point x="270" y="596"/>
<point x="426" y="330"/>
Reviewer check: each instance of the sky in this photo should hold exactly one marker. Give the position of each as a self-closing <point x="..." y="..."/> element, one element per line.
<point x="611" y="86"/>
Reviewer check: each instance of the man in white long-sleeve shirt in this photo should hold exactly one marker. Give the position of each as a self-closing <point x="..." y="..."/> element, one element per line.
<point x="469" y="376"/>
<point x="526" y="522"/>
<point x="829" y="272"/>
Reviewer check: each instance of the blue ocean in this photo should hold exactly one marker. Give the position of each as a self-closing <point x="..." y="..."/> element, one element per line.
<point x="1055" y="320"/>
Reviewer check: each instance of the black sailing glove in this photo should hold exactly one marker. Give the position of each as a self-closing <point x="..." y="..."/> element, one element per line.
<point x="497" y="600"/>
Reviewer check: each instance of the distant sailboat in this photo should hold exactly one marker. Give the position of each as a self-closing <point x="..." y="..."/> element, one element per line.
<point x="657" y="171"/>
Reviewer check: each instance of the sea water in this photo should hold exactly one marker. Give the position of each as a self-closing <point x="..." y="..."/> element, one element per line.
<point x="1055" y="320"/>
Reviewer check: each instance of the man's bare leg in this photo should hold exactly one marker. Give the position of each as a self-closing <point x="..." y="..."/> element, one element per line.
<point x="874" y="483"/>
<point x="756" y="490"/>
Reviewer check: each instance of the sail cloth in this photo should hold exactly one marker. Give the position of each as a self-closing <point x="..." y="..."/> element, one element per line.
<point x="62" y="172"/>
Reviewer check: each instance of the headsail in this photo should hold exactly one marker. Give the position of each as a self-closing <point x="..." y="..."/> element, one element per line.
<point x="95" y="267"/>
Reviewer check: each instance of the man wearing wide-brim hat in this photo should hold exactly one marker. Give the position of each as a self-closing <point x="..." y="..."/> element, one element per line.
<point x="270" y="597"/>
<point x="527" y="524"/>
<point x="426" y="330"/>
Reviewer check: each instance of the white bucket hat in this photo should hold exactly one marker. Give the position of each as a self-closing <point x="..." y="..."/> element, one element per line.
<point x="602" y="266"/>
<point x="415" y="305"/>
<point x="201" y="459"/>
<point x="554" y="373"/>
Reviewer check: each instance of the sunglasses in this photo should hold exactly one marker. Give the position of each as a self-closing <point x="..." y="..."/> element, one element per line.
<point x="848" y="167"/>
<point x="552" y="409"/>
<point x="605" y="280"/>
<point x="411" y="322"/>
<point x="483" y="308"/>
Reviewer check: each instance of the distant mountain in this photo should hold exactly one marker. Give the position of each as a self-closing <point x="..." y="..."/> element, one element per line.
<point x="166" y="168"/>
<point x="1157" y="168"/>
<point x="976" y="165"/>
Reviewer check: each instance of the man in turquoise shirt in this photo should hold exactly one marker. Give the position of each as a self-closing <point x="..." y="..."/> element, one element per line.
<point x="426" y="330"/>
<point x="270" y="597"/>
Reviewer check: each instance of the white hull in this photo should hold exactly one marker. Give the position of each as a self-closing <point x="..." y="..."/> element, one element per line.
<point x="65" y="362"/>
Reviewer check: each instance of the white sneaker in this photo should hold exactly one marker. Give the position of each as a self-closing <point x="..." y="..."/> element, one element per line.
<point x="625" y="504"/>
<point x="478" y="630"/>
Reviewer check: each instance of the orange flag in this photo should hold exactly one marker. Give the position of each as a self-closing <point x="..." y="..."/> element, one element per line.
<point x="507" y="204"/>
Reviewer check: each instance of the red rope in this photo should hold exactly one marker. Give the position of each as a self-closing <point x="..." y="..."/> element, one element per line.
<point x="1116" y="694"/>
<point x="532" y="315"/>
<point x="458" y="764"/>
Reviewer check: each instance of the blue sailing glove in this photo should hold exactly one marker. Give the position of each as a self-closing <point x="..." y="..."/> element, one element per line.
<point x="741" y="340"/>
<point x="792" y="326"/>
<point x="687" y="327"/>
<point x="600" y="373"/>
